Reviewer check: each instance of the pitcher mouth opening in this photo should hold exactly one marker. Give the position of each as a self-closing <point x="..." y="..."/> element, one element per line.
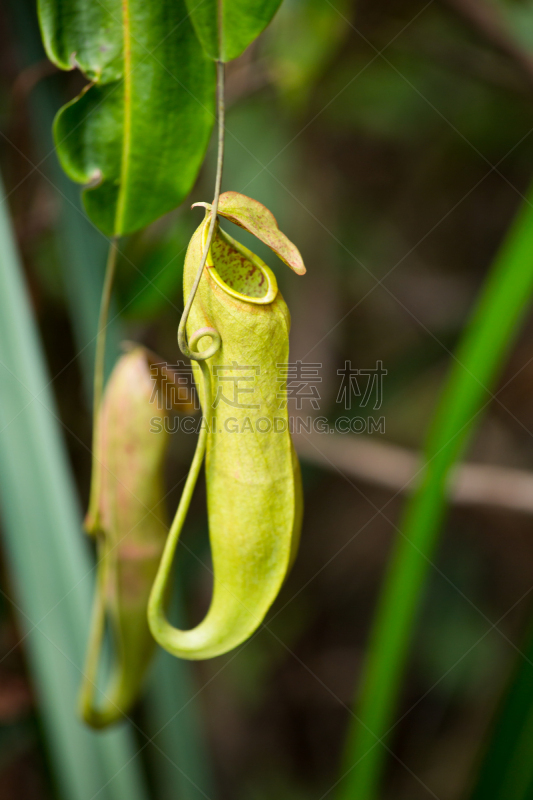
<point x="238" y="271"/>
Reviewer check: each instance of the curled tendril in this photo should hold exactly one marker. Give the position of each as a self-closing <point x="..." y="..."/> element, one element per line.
<point x="211" y="350"/>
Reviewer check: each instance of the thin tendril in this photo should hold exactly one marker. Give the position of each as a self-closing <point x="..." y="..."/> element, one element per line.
<point x="182" y="332"/>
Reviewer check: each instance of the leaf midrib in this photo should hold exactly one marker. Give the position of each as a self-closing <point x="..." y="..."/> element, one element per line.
<point x="126" y="138"/>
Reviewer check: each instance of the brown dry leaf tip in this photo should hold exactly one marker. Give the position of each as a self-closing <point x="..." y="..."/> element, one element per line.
<point x="258" y="220"/>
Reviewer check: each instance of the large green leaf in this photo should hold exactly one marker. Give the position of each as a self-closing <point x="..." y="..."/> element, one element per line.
<point x="226" y="27"/>
<point x="137" y="135"/>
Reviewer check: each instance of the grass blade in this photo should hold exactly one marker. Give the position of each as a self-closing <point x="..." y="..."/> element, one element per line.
<point x="477" y="364"/>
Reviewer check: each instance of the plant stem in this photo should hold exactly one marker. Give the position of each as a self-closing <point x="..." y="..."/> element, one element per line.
<point x="489" y="335"/>
<point x="92" y="523"/>
<point x="182" y="330"/>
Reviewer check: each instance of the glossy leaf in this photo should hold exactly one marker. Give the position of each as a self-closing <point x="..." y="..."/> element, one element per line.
<point x="138" y="133"/>
<point x="226" y="27"/>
